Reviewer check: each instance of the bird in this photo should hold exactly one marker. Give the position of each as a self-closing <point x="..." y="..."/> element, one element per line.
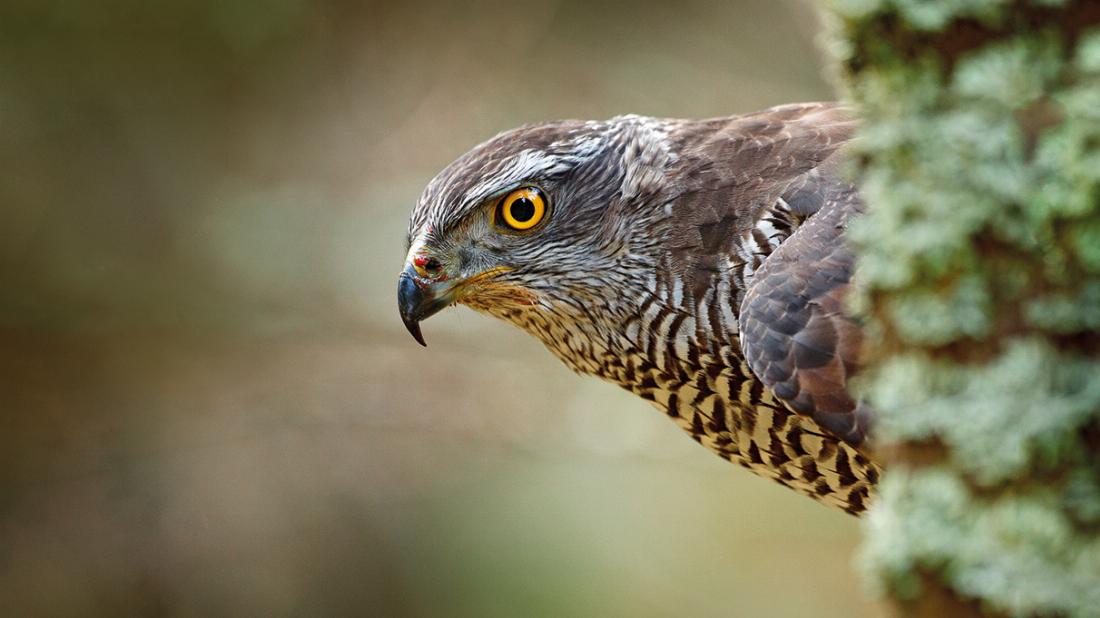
<point x="701" y="264"/>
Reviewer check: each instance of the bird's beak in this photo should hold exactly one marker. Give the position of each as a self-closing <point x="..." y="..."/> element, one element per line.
<point x="419" y="299"/>
<point x="419" y="296"/>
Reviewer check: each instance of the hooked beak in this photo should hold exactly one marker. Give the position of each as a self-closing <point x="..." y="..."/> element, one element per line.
<point x="419" y="299"/>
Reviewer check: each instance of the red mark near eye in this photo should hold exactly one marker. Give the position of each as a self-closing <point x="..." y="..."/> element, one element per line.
<point x="420" y="261"/>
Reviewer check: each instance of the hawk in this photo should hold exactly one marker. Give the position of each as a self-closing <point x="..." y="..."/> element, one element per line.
<point x="700" y="264"/>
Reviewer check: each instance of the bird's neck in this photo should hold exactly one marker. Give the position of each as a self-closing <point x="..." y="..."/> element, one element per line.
<point x="627" y="340"/>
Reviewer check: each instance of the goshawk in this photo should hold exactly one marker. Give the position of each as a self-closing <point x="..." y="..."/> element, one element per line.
<point x="699" y="264"/>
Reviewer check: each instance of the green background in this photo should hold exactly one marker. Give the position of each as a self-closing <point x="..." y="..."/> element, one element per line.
<point x="208" y="405"/>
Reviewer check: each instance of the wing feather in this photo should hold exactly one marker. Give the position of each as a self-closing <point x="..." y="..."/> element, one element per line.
<point x="795" y="334"/>
<point x="778" y="167"/>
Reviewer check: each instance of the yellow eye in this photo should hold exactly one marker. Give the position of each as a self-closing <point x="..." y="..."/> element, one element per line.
<point x="522" y="209"/>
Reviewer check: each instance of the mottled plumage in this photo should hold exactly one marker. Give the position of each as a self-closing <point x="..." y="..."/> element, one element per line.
<point x="699" y="264"/>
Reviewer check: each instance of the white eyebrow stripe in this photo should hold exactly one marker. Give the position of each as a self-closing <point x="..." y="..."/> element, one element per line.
<point x="517" y="168"/>
<point x="528" y="164"/>
<point x="496" y="177"/>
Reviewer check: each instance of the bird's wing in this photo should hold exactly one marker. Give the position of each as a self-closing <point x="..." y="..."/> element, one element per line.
<point x="795" y="334"/>
<point x="746" y="182"/>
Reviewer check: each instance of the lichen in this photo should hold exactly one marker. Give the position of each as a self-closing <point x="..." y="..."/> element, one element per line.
<point x="979" y="272"/>
<point x="1011" y="74"/>
<point x="933" y="317"/>
<point x="923" y="15"/>
<point x="1022" y="411"/>
<point x="1014" y="552"/>
<point x="1088" y="52"/>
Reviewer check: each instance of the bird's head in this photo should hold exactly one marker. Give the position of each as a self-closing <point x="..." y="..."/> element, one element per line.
<point x="543" y="226"/>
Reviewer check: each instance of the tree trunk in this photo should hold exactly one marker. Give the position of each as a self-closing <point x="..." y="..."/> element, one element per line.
<point x="980" y="272"/>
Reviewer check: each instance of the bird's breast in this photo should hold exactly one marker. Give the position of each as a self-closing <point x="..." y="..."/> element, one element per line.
<point x="718" y="402"/>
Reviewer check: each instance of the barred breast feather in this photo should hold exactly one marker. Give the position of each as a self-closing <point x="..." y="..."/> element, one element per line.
<point x="745" y="342"/>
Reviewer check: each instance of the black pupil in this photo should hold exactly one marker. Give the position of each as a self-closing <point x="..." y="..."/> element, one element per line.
<point x="523" y="210"/>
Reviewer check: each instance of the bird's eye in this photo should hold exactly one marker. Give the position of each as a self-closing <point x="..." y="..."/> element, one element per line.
<point x="521" y="209"/>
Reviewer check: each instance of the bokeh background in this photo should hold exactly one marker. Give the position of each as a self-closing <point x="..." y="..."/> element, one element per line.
<point x="208" y="405"/>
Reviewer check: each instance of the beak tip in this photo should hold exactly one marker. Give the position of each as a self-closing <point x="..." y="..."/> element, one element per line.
<point x="414" y="329"/>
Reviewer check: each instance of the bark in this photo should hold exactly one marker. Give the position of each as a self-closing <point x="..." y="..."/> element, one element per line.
<point x="980" y="272"/>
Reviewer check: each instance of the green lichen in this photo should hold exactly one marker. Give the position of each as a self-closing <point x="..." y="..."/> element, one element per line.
<point x="1082" y="494"/>
<point x="1088" y="52"/>
<point x="1085" y="241"/>
<point x="858" y="9"/>
<point x="932" y="317"/>
<point x="1066" y="312"/>
<point x="924" y="15"/>
<point x="1012" y="74"/>
<point x="1014" y="552"/>
<point x="1067" y="164"/>
<point x="1000" y="420"/>
<point x="979" y="258"/>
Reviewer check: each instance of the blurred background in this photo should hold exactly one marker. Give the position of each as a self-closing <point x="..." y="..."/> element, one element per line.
<point x="208" y="405"/>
